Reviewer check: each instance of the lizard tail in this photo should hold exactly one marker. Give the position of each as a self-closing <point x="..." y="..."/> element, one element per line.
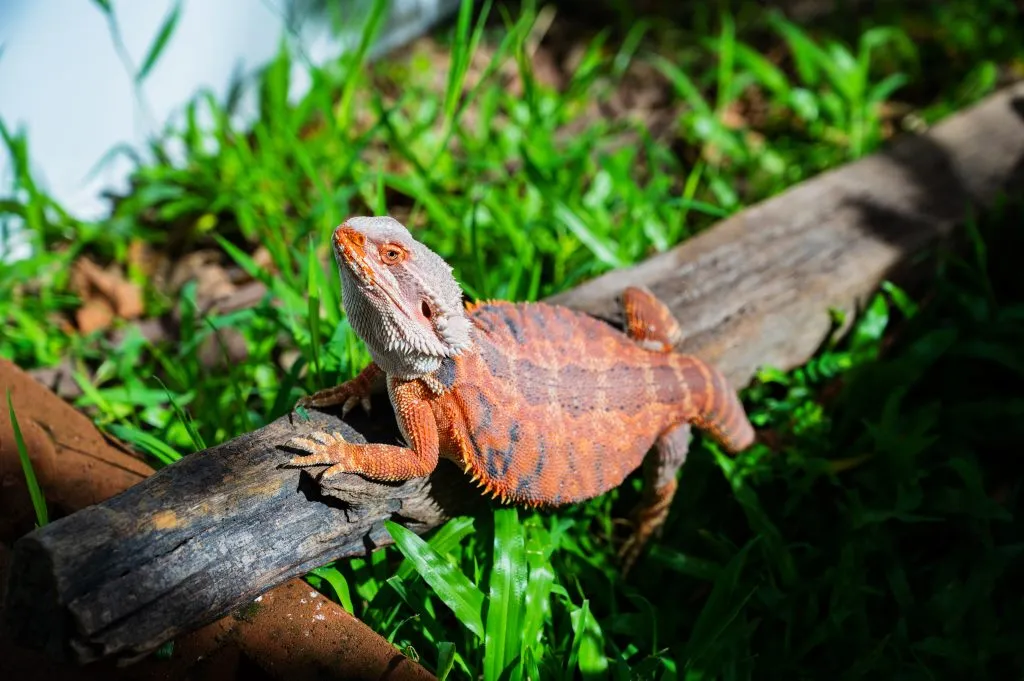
<point x="716" y="407"/>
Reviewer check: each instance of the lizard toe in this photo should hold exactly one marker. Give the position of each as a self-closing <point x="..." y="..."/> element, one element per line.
<point x="629" y="553"/>
<point x="352" y="401"/>
<point x="324" y="449"/>
<point x="335" y="470"/>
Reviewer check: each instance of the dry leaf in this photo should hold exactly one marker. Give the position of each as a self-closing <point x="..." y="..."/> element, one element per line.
<point x="105" y="295"/>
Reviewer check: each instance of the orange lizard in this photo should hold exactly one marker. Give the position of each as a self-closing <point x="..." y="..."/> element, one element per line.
<point x="540" y="404"/>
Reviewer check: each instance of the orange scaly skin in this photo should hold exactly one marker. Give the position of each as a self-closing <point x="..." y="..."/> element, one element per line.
<point x="546" y="406"/>
<point x="556" y="407"/>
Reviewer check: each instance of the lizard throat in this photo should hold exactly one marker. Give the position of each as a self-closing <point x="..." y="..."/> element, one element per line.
<point x="397" y="344"/>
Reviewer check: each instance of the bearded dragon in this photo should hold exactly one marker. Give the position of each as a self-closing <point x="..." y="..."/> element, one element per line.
<point x="542" y="405"/>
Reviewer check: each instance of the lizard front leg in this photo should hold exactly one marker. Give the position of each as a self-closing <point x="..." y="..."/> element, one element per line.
<point x="348" y="394"/>
<point x="378" y="461"/>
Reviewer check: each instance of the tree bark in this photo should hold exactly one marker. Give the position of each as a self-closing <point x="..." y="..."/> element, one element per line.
<point x="208" y="534"/>
<point x="204" y="536"/>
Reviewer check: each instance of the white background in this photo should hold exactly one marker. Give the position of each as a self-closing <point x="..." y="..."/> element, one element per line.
<point x="61" y="78"/>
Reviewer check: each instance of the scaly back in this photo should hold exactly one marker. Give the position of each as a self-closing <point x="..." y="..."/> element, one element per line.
<point x="563" y="406"/>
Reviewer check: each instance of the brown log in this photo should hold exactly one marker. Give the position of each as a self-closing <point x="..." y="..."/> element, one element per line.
<point x="291" y="633"/>
<point x="755" y="289"/>
<point x="202" y="537"/>
<point x="213" y="531"/>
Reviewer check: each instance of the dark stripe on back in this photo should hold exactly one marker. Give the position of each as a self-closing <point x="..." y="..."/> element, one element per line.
<point x="527" y="485"/>
<point x="498" y="460"/>
<point x="534" y="382"/>
<point x="513" y="321"/>
<point x="484" y="415"/>
<point x="483" y="320"/>
<point x="513" y="434"/>
<point x="495" y="360"/>
<point x="627" y="387"/>
<point x="554" y="325"/>
<point x="576" y="388"/>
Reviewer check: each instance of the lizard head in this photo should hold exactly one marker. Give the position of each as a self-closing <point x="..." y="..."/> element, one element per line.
<point x="400" y="296"/>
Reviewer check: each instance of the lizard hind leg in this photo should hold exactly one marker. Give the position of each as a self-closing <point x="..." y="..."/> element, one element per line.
<point x="652" y="325"/>
<point x="659" y="489"/>
<point x="649" y="322"/>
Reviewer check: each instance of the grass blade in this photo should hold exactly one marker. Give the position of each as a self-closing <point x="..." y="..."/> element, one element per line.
<point x="601" y="250"/>
<point x="587" y="644"/>
<point x="590" y="653"/>
<point x="146" y="442"/>
<point x="722" y="607"/>
<point x="333" y="576"/>
<point x="684" y="86"/>
<point x="443" y="541"/>
<point x="537" y="602"/>
<point x="313" y="311"/>
<point x="162" y="37"/>
<point x="445" y="659"/>
<point x="453" y="587"/>
<point x="374" y="21"/>
<point x="507" y="593"/>
<point x="34" y="491"/>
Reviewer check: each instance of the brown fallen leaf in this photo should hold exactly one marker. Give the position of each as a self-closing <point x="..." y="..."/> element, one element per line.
<point x="204" y="268"/>
<point x="94" y="315"/>
<point x="75" y="464"/>
<point x="105" y="294"/>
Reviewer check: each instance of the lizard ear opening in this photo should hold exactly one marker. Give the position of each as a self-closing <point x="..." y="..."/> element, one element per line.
<point x="425" y="309"/>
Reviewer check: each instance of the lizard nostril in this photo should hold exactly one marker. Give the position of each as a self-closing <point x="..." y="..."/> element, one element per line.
<point x="426" y="310"/>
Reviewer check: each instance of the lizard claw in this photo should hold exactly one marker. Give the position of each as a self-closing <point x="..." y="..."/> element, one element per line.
<point x="352" y="401"/>
<point x="347" y="394"/>
<point x="628" y="554"/>
<point x="314" y="400"/>
<point x="325" y="449"/>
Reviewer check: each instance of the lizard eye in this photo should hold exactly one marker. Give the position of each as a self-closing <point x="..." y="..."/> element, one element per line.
<point x="391" y="254"/>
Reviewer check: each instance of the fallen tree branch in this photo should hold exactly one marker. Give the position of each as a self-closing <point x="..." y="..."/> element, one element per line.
<point x="755" y="289"/>
<point x="213" y="531"/>
<point x="200" y="538"/>
<point x="291" y="633"/>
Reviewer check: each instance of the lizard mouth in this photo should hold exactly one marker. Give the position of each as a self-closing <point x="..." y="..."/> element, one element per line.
<point x="350" y="248"/>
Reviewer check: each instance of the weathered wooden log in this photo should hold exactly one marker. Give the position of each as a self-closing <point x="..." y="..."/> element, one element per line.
<point x="202" y="537"/>
<point x="755" y="289"/>
<point x="207" y="534"/>
<point x="291" y="633"/>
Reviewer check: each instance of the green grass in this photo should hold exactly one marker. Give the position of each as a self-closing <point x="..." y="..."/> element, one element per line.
<point x="876" y="540"/>
<point x="866" y="545"/>
<point x="34" y="490"/>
